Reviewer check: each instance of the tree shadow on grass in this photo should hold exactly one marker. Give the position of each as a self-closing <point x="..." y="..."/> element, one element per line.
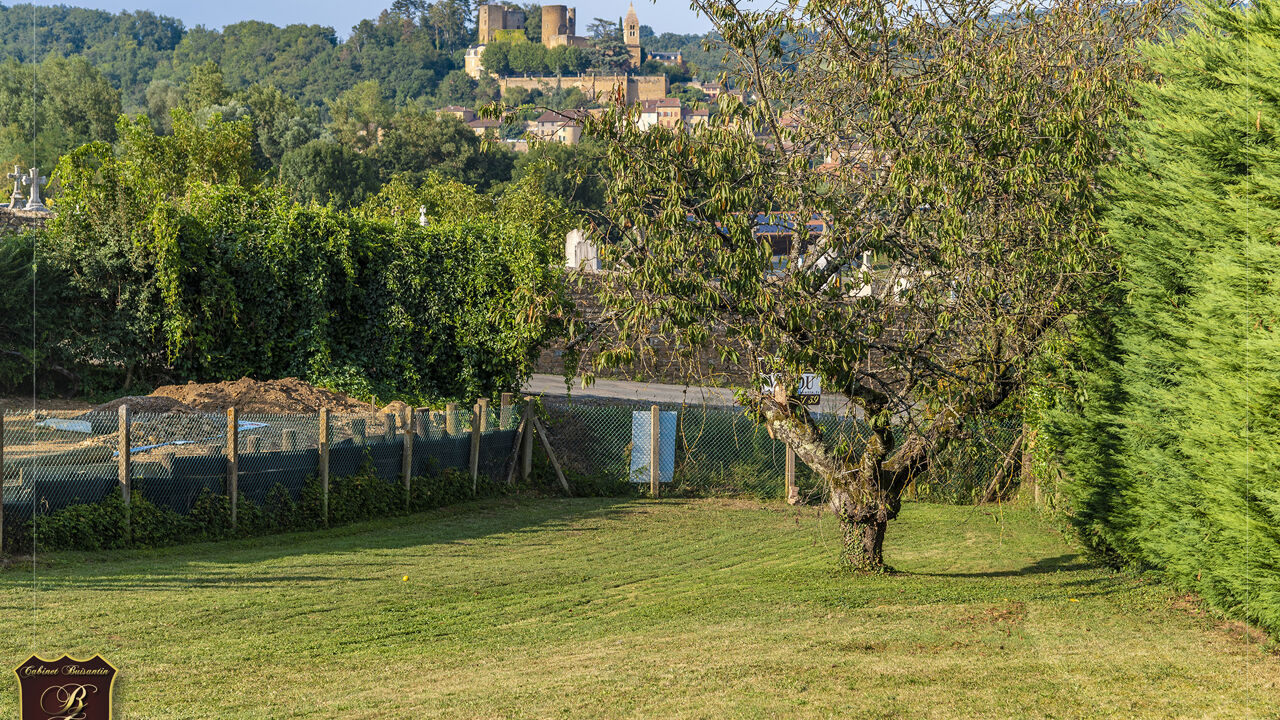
<point x="1065" y="565"/>
<point x="1069" y="562"/>
<point x="217" y="564"/>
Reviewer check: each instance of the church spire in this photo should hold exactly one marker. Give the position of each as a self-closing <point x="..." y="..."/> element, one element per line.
<point x="631" y="35"/>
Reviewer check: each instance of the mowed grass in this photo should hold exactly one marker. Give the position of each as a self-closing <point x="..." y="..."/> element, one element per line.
<point x="549" y="608"/>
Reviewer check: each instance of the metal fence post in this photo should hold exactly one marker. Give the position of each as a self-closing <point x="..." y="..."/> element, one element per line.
<point x="655" y="475"/>
<point x="233" y="461"/>
<point x="124" y="468"/>
<point x="407" y="455"/>
<point x="324" y="465"/>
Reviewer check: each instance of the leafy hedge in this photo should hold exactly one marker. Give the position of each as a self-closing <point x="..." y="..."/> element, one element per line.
<point x="1170" y="433"/>
<point x="363" y="496"/>
<point x="168" y="262"/>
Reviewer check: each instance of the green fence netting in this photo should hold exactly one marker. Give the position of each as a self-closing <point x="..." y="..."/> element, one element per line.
<point x="720" y="451"/>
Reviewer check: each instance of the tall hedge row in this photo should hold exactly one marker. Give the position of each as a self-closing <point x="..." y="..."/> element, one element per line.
<point x="1172" y="436"/>
<point x="168" y="262"/>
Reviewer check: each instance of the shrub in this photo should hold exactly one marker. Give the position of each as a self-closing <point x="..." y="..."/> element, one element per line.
<point x="1170" y="434"/>
<point x="363" y="496"/>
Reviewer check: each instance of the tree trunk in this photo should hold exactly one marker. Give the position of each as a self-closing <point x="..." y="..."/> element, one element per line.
<point x="864" y="544"/>
<point x="865" y="494"/>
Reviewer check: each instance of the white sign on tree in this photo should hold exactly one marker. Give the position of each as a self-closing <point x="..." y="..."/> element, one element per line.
<point x="809" y="388"/>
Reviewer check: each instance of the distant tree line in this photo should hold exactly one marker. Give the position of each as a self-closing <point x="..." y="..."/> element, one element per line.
<point x="409" y="48"/>
<point x="340" y="153"/>
<point x="332" y="121"/>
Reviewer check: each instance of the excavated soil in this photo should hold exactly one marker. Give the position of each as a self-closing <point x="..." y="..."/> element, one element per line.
<point x="277" y="397"/>
<point x="146" y="405"/>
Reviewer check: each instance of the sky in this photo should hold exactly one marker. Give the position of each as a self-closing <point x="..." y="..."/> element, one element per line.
<point x="662" y="16"/>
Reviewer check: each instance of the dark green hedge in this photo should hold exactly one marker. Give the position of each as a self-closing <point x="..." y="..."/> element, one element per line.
<point x="1170" y="432"/>
<point x="363" y="496"/>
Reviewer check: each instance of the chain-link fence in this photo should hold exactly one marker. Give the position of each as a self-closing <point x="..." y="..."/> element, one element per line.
<point x="177" y="461"/>
<point x="53" y="461"/>
<point x="718" y="450"/>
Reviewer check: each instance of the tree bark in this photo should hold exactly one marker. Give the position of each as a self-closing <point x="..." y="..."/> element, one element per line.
<point x="865" y="496"/>
<point x="864" y="544"/>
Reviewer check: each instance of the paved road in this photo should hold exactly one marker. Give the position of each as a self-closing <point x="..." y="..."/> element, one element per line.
<point x="554" y="385"/>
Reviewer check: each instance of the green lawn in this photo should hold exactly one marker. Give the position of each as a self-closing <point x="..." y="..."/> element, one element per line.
<point x="634" y="609"/>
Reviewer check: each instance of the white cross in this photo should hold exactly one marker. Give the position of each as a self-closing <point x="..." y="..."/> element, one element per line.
<point x="35" y="180"/>
<point x="16" y="196"/>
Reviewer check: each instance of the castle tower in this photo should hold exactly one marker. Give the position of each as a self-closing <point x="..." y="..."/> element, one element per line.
<point x="492" y="18"/>
<point x="631" y="35"/>
<point x="556" y="20"/>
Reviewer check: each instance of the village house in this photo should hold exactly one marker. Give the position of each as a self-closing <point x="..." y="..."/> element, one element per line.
<point x="562" y="127"/>
<point x="484" y="127"/>
<point x="466" y="115"/>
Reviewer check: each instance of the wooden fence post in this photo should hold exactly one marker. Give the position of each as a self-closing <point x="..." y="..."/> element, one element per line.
<point x="793" y="494"/>
<point x="475" y="449"/>
<point x="233" y="461"/>
<point x="324" y="464"/>
<point x="423" y="427"/>
<point x="483" y="409"/>
<point x="451" y="418"/>
<point x="1029" y="474"/>
<point x="1" y="482"/>
<point x="407" y="455"/>
<point x="544" y="436"/>
<point x="124" y="466"/>
<point x="504" y="412"/>
<point x="655" y="474"/>
<point x="526" y="441"/>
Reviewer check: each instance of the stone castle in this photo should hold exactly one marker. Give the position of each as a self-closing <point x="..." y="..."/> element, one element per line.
<point x="559" y="27"/>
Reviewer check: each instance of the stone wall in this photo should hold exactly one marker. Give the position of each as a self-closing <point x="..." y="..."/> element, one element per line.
<point x="13" y="222"/>
<point x="638" y="87"/>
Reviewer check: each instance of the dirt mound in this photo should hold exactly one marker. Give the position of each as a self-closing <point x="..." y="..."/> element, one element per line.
<point x="397" y="408"/>
<point x="146" y="405"/>
<point x="276" y="397"/>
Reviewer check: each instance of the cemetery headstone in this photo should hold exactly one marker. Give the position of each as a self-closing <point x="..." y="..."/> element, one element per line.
<point x="15" y="198"/>
<point x="35" y="180"/>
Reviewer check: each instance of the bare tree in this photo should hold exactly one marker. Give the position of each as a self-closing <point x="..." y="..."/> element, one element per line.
<point x="933" y="165"/>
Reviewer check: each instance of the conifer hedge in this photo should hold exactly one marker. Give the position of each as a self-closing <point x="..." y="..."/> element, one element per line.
<point x="1171" y="437"/>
